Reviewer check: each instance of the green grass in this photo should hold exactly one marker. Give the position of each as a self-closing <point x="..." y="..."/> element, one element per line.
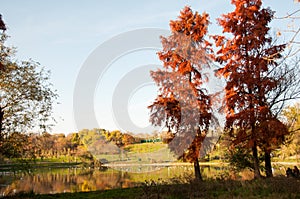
<point x="145" y="147"/>
<point x="62" y="158"/>
<point x="28" y="165"/>
<point x="143" y="153"/>
<point x="279" y="187"/>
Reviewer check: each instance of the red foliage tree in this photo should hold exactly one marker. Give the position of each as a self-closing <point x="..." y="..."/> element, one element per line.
<point x="248" y="57"/>
<point x="183" y="105"/>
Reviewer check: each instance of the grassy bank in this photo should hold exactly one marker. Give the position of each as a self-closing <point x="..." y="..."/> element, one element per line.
<point x="279" y="187"/>
<point x="30" y="165"/>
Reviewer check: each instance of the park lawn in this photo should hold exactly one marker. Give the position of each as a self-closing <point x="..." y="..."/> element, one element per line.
<point x="278" y="187"/>
<point x="145" y="147"/>
<point x="142" y="153"/>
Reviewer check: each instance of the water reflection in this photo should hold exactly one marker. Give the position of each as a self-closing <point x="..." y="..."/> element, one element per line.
<point x="64" y="180"/>
<point x="74" y="180"/>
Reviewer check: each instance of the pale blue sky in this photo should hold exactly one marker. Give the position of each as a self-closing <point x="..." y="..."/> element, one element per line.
<point x="61" y="35"/>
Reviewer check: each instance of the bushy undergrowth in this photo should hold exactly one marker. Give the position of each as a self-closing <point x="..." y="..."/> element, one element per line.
<point x="279" y="187"/>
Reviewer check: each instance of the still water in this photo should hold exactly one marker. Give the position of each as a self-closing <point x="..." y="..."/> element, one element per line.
<point x="61" y="180"/>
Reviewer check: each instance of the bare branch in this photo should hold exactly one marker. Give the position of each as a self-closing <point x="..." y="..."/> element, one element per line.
<point x="289" y="16"/>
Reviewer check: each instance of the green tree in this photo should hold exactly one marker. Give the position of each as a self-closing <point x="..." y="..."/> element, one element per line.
<point x="26" y="95"/>
<point x="292" y="146"/>
<point x="292" y="116"/>
<point x="115" y="136"/>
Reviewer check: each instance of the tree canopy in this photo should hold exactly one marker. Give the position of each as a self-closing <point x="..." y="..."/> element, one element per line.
<point x="250" y="65"/>
<point x="26" y="94"/>
<point x="183" y="104"/>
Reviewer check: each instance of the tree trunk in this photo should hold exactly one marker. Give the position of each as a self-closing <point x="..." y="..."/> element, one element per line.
<point x="1" y="120"/>
<point x="256" y="162"/>
<point x="197" y="170"/>
<point x="268" y="165"/>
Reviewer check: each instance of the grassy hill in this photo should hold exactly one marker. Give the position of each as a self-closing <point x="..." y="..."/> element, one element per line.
<point x="142" y="153"/>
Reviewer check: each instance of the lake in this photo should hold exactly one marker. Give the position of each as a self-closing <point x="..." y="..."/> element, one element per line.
<point x="61" y="180"/>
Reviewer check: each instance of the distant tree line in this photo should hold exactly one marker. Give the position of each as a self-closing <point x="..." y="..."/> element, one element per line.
<point x="74" y="147"/>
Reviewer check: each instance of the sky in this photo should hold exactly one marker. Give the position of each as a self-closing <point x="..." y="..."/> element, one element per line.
<point x="62" y="36"/>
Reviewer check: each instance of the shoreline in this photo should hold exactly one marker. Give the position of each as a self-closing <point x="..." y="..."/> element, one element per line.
<point x="163" y="164"/>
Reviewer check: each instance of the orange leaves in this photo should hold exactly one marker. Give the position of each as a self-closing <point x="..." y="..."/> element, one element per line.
<point x="191" y="24"/>
<point x="254" y="8"/>
<point x="185" y="68"/>
<point x="245" y="67"/>
<point x="165" y="107"/>
<point x="182" y="103"/>
<point x="219" y="40"/>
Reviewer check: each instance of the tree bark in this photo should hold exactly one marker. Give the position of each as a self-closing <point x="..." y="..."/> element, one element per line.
<point x="197" y="170"/>
<point x="268" y="165"/>
<point x="255" y="162"/>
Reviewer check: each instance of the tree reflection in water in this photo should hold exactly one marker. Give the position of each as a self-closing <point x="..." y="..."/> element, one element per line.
<point x="44" y="181"/>
<point x="64" y="180"/>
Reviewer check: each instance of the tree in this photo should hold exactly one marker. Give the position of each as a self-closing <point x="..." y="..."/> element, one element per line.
<point x="183" y="104"/>
<point x="249" y="57"/>
<point x="292" y="115"/>
<point x="274" y="131"/>
<point x="26" y="95"/>
<point x="3" y="28"/>
<point x="114" y="136"/>
<point x="292" y="143"/>
<point x="14" y="147"/>
<point x="127" y="139"/>
<point x="2" y="24"/>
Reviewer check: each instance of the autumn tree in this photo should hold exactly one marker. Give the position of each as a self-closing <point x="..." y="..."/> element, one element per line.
<point x="292" y="116"/>
<point x="15" y="146"/>
<point x="183" y="104"/>
<point x="292" y="143"/>
<point x="274" y="131"/>
<point x="115" y="136"/>
<point x="26" y="95"/>
<point x="127" y="139"/>
<point x="248" y="57"/>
